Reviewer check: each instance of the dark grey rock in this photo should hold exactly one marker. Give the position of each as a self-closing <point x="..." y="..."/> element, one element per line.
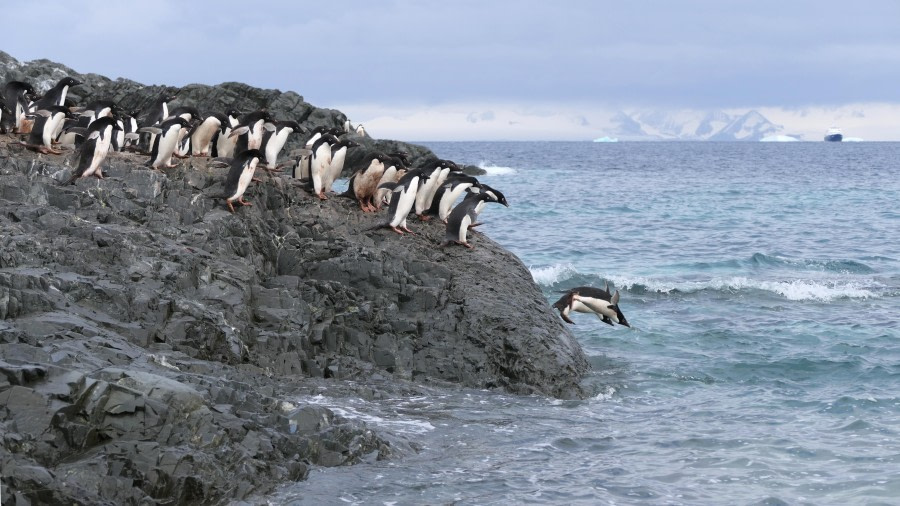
<point x="153" y="346"/>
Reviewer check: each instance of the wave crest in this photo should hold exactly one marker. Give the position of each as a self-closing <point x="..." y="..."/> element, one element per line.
<point x="496" y="170"/>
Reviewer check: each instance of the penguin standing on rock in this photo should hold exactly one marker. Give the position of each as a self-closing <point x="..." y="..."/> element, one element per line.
<point x="447" y="195"/>
<point x="94" y="149"/>
<point x="153" y="115"/>
<point x="274" y="141"/>
<point x="167" y="137"/>
<point x="18" y="96"/>
<point x="203" y="134"/>
<point x="222" y="142"/>
<point x="157" y="111"/>
<point x="249" y="133"/>
<point x="338" y="157"/>
<point x="43" y="132"/>
<point x="319" y="161"/>
<point x="394" y="168"/>
<point x="365" y="180"/>
<point x="301" y="170"/>
<point x="403" y="200"/>
<point x="239" y="177"/>
<point x="463" y="217"/>
<point x="57" y="94"/>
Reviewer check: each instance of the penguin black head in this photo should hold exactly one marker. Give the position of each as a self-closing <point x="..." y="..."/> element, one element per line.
<point x="192" y="112"/>
<point x="293" y="125"/>
<point x="234" y="113"/>
<point x="499" y="196"/>
<point x="68" y="81"/>
<point x="621" y="317"/>
<point x="101" y="125"/>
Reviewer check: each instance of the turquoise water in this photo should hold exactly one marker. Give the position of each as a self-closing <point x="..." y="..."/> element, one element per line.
<point x="763" y="367"/>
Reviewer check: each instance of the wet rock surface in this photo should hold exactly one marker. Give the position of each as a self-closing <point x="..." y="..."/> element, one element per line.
<point x="155" y="348"/>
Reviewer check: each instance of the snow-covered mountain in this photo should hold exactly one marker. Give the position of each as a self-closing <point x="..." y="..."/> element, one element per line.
<point x="692" y="125"/>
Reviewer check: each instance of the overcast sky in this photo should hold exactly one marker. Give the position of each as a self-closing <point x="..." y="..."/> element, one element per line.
<point x="479" y="56"/>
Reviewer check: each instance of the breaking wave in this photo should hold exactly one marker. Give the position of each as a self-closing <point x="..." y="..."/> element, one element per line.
<point x="496" y="170"/>
<point x="564" y="276"/>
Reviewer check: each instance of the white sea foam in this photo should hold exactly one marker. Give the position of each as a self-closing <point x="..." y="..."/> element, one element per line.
<point x="552" y="274"/>
<point x="366" y="414"/>
<point x="798" y="289"/>
<point x="496" y="170"/>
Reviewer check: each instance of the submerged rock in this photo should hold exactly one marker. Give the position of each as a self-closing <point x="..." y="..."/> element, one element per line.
<point x="153" y="346"/>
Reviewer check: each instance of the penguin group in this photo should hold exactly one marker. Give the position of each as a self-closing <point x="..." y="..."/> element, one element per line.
<point x="245" y="141"/>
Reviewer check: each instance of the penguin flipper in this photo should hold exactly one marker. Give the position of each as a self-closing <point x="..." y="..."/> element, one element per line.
<point x="150" y="130"/>
<point x="239" y="131"/>
<point x="606" y="320"/>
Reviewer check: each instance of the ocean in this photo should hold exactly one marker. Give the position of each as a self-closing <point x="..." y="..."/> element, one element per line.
<point x="762" y="283"/>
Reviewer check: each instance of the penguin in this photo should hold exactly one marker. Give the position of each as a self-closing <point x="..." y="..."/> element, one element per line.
<point x="94" y="149"/>
<point x="301" y="170"/>
<point x="588" y="299"/>
<point x="274" y="141"/>
<point x="18" y="96"/>
<point x="463" y="217"/>
<point x="153" y="115"/>
<point x="239" y="177"/>
<point x="487" y="189"/>
<point x="360" y="131"/>
<point x="402" y="202"/>
<point x="167" y="137"/>
<point x="98" y="109"/>
<point x="442" y="169"/>
<point x="43" y="132"/>
<point x="203" y="135"/>
<point x="185" y="111"/>
<point x="249" y="132"/>
<point x="394" y="168"/>
<point x="157" y="111"/>
<point x="129" y="131"/>
<point x="319" y="161"/>
<point x="365" y="180"/>
<point x="223" y="143"/>
<point x="57" y="94"/>
<point x="338" y="157"/>
<point x="449" y="193"/>
<point x="183" y="147"/>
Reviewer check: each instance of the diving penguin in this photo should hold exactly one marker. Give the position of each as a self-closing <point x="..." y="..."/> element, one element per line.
<point x="587" y="299"/>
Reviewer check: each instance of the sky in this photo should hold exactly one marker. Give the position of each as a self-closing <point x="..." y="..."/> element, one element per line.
<point x="470" y="70"/>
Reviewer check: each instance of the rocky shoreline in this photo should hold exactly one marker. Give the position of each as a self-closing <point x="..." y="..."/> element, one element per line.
<point x="153" y="345"/>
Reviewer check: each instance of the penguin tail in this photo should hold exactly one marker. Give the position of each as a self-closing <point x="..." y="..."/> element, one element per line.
<point x="347" y="194"/>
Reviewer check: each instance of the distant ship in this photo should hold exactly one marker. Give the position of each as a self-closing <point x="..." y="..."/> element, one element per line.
<point x="834" y="135"/>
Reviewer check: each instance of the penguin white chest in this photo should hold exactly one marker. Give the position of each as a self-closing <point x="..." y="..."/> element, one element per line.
<point x="167" y="144"/>
<point x="405" y="203"/>
<point x="245" y="179"/>
<point x="276" y="142"/>
<point x="599" y="306"/>
<point x="254" y="136"/>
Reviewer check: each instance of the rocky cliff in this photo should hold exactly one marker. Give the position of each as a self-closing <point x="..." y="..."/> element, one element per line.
<point x="153" y="345"/>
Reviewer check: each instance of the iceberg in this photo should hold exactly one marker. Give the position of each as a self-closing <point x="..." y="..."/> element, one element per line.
<point x="779" y="138"/>
<point x="606" y="139"/>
